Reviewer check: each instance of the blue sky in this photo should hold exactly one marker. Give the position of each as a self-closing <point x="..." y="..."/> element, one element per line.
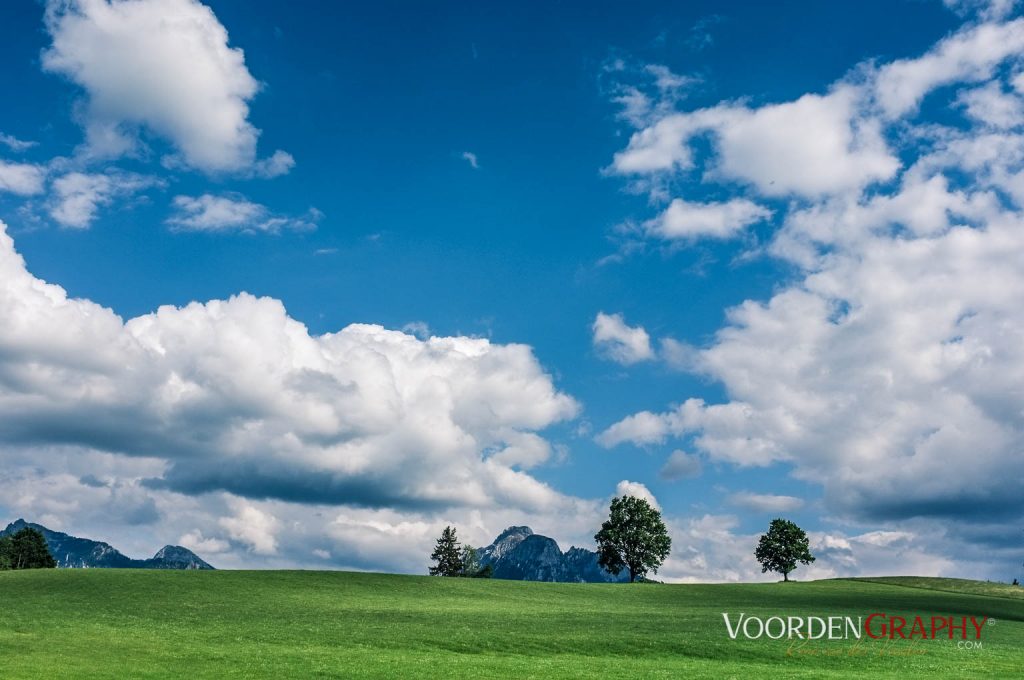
<point x="485" y="172"/>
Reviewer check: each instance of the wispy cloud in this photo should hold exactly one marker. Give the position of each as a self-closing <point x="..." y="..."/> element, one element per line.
<point x="77" y="197"/>
<point x="233" y="212"/>
<point x="24" y="179"/>
<point x="15" y="144"/>
<point x="761" y="502"/>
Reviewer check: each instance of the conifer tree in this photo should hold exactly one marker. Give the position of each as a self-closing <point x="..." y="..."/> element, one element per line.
<point x="26" y="549"/>
<point x="446" y="555"/>
<point x="5" y="553"/>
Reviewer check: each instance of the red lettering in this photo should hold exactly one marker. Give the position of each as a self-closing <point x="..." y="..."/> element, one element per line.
<point x="977" y="626"/>
<point x="894" y="628"/>
<point x="918" y="629"/>
<point x="867" y="627"/>
<point x="942" y="624"/>
<point x="962" y="627"/>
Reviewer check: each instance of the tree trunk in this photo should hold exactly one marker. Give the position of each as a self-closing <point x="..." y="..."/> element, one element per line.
<point x="785" y="576"/>
<point x="632" y="575"/>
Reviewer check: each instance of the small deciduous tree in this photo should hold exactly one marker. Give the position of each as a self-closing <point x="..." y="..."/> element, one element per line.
<point x="446" y="555"/>
<point x="471" y="564"/>
<point x="782" y="547"/>
<point x="634" y="537"/>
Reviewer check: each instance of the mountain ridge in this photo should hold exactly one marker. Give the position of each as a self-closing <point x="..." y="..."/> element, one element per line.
<point x="519" y="554"/>
<point x="72" y="552"/>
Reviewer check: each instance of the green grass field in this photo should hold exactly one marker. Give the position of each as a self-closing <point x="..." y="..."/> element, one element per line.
<point x="126" y="623"/>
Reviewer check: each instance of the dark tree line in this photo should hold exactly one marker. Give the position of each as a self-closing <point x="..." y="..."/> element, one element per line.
<point x="25" y="549"/>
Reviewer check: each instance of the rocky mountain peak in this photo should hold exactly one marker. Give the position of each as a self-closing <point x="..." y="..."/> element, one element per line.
<point x="177" y="557"/>
<point x="519" y="554"/>
<point x="74" y="552"/>
<point x="521" y="532"/>
<point x="506" y="541"/>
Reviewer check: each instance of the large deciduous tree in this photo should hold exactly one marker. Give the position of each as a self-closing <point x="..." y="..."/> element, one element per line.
<point x="782" y="547"/>
<point x="634" y="537"/>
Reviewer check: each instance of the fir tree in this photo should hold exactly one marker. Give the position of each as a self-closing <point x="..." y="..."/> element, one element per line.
<point x="446" y="555"/>
<point x="5" y="553"/>
<point x="26" y="549"/>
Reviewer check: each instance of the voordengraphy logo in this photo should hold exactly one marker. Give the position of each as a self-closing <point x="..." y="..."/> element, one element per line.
<point x="877" y="626"/>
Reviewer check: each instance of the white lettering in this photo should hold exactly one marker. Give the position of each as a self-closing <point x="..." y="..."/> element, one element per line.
<point x="810" y="627"/>
<point x="728" y="627"/>
<point x="797" y="628"/>
<point x="768" y="628"/>
<point x="760" y="628"/>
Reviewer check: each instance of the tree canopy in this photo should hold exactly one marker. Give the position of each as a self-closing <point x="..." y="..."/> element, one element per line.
<point x="782" y="547"/>
<point x="633" y="537"/>
<point x="25" y="549"/>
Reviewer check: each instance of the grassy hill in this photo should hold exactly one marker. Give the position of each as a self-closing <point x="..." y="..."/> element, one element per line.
<point x="127" y="623"/>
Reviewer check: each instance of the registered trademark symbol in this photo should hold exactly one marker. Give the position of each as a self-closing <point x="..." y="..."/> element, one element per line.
<point x="991" y="622"/>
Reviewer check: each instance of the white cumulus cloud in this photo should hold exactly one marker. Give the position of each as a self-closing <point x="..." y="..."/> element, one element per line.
<point x="619" y="342"/>
<point x="255" y="528"/>
<point x="235" y="395"/>
<point x="23" y="179"/>
<point x="898" y="346"/>
<point x="970" y="55"/>
<point x="811" y="147"/>
<point x="636" y="490"/>
<point x="164" y="66"/>
<point x="689" y="220"/>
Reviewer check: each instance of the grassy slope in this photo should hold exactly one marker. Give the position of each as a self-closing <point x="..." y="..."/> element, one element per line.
<point x="953" y="585"/>
<point x="113" y="623"/>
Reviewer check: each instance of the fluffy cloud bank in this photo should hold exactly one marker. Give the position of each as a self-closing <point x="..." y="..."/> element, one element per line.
<point x="161" y="65"/>
<point x="235" y="395"/>
<point x="809" y="147"/>
<point x="888" y="370"/>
